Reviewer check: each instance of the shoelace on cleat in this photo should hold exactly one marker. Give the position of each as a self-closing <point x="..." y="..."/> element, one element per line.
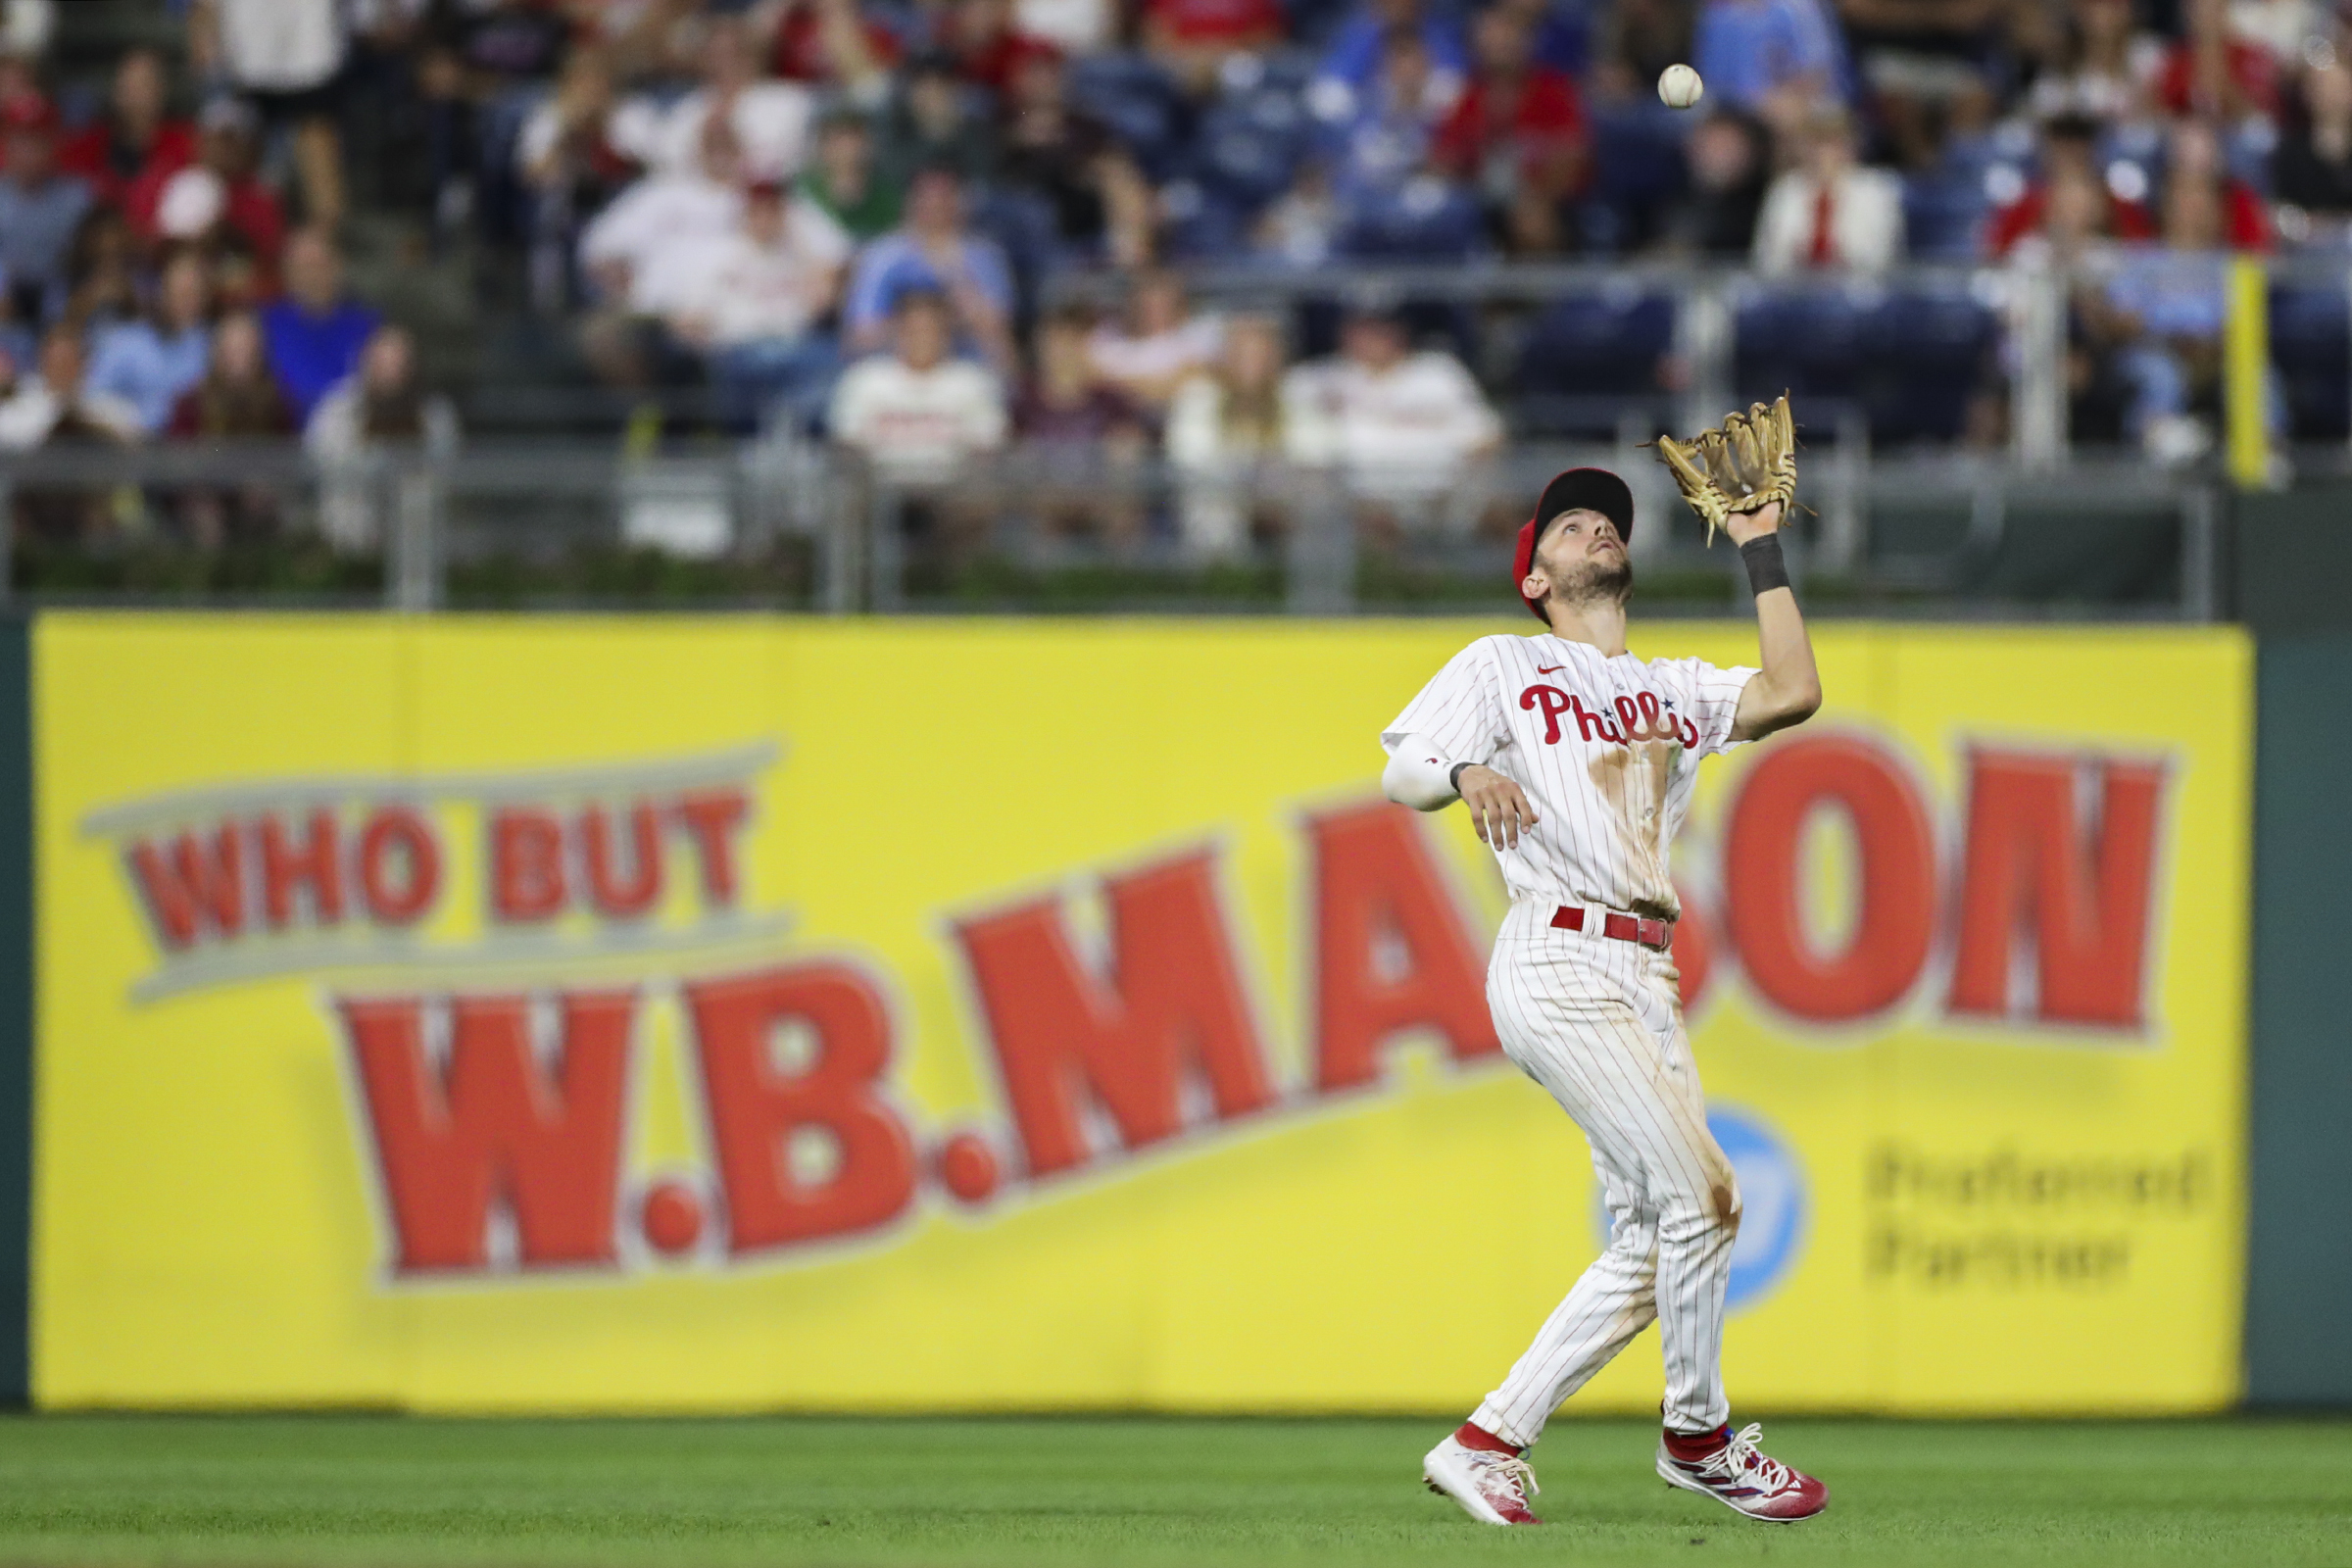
<point x="1508" y="1469"/>
<point x="1741" y="1458"/>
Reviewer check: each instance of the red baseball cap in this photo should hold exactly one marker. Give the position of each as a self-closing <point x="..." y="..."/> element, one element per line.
<point x="1577" y="490"/>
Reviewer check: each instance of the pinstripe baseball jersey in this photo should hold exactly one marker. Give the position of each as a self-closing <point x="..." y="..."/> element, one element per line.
<point x="1607" y="748"/>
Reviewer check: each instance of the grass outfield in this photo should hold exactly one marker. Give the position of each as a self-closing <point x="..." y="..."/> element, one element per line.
<point x="337" y="1490"/>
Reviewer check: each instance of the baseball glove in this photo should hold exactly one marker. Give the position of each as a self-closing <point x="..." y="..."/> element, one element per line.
<point x="1750" y="461"/>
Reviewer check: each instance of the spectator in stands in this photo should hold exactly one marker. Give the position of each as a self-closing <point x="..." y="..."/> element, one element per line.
<point x="151" y="363"/>
<point x="1357" y="53"/>
<point x="826" y="43"/>
<point x="1099" y="198"/>
<point x="935" y="124"/>
<point x="1073" y="26"/>
<point x="104" y="273"/>
<point x="1194" y="38"/>
<point x="933" y="250"/>
<point x="238" y="398"/>
<point x="2311" y="172"/>
<point x="40" y="208"/>
<point x="2214" y="75"/>
<point x="2193" y="155"/>
<point x="1777" y="60"/>
<point x="988" y="46"/>
<point x="136" y="140"/>
<point x="1916" y="57"/>
<point x="1634" y="41"/>
<point x="1226" y="421"/>
<point x="314" y="335"/>
<point x="1074" y="426"/>
<point x="2107" y="66"/>
<point x="382" y="403"/>
<point x="845" y="180"/>
<point x="287" y="56"/>
<point x="770" y="119"/>
<point x="1518" y="135"/>
<point x="620" y="249"/>
<point x="2069" y="156"/>
<point x="1156" y="346"/>
<point x="58" y="404"/>
<point x="1392" y="135"/>
<point x="220" y="201"/>
<point x="1829" y="212"/>
<point x="1301" y="227"/>
<point x="919" y="417"/>
<point x="572" y="171"/>
<point x="1401" y="425"/>
<point x="2166" y="308"/>
<point x="751" y="300"/>
<point x="1729" y="172"/>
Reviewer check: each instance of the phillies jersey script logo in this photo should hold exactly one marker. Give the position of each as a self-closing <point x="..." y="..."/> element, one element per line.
<point x="1628" y="720"/>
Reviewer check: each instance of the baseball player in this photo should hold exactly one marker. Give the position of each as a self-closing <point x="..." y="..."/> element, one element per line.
<point x="1577" y="760"/>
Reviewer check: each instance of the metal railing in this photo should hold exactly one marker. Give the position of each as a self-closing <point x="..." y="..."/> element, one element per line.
<point x="798" y="528"/>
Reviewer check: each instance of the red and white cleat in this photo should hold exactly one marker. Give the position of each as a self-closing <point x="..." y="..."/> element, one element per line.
<point x="1740" y="1475"/>
<point x="1492" y="1487"/>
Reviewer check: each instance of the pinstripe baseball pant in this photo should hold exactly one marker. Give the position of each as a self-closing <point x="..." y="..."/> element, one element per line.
<point x="1599" y="1024"/>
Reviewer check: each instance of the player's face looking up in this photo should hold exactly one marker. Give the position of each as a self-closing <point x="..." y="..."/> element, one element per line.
<point x="1581" y="559"/>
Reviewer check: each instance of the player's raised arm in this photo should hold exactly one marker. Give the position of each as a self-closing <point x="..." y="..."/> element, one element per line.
<point x="1787" y="690"/>
<point x="1741" y="478"/>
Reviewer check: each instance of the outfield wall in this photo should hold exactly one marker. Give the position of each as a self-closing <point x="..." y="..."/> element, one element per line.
<point x="486" y="1015"/>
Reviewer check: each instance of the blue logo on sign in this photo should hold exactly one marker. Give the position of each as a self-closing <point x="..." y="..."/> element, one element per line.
<point x="1772" y="1205"/>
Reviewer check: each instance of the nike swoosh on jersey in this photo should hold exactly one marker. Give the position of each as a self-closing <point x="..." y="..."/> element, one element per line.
<point x="1548" y="669"/>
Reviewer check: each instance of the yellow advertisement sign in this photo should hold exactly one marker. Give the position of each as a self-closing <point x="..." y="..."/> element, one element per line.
<point x="480" y="1014"/>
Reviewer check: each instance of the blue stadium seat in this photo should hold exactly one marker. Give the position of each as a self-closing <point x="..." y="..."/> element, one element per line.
<point x="1924" y="356"/>
<point x="1944" y="215"/>
<point x="1806" y="341"/>
<point x="1251" y="144"/>
<point x="1139" y="101"/>
<point x="1587" y="355"/>
<point x="2311" y="347"/>
<point x="1425" y="221"/>
<point x="1637" y="168"/>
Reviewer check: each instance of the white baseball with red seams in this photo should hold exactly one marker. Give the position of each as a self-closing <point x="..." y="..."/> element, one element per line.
<point x="1607" y="751"/>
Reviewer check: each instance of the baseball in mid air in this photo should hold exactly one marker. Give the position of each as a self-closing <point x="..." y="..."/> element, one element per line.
<point x="1679" y="88"/>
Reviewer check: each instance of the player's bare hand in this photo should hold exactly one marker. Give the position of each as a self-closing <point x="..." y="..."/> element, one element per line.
<point x="1745" y="526"/>
<point x="1498" y="807"/>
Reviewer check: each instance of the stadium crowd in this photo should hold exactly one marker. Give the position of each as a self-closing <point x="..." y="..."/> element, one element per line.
<point x="847" y="216"/>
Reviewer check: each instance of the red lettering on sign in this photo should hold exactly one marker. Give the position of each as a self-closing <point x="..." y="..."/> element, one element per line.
<point x="496" y="1127"/>
<point x="1171" y="1006"/>
<point x="1693" y="949"/>
<point x="2078" y="890"/>
<point x="527" y="865"/>
<point x="613" y="897"/>
<point x="195" y="885"/>
<point x="396" y="835"/>
<point x="1391" y="951"/>
<point x="712" y="820"/>
<point x="829" y="1105"/>
<point x="1894" y="921"/>
<point x="314" y="865"/>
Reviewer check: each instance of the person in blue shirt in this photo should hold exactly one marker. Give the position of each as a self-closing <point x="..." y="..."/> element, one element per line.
<point x="1351" y="64"/>
<point x="1776" y="59"/>
<point x="314" y="335"/>
<point x="40" y="209"/>
<point x="149" y="362"/>
<point x="931" y="249"/>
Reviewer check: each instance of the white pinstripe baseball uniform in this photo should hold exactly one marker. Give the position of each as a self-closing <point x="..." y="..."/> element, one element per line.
<point x="1607" y="749"/>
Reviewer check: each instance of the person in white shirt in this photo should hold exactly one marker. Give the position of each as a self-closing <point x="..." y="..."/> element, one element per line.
<point x="1158" y="346"/>
<point x="750" y="299"/>
<point x="916" y="415"/>
<point x="1224" y="423"/>
<point x="1402" y="426"/>
<point x="771" y="120"/>
<point x="57" y="402"/>
<point x="287" y="55"/>
<point x="1829" y="212"/>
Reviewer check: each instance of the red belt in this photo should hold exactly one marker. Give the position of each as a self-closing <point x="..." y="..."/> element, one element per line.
<point x="1658" y="934"/>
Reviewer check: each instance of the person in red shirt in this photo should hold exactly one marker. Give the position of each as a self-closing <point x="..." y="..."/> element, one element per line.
<point x="2068" y="154"/>
<point x="827" y="42"/>
<point x="1518" y="133"/>
<point x="1194" y="38"/>
<point x="2211" y="74"/>
<point x="241" y="216"/>
<point x="987" y="45"/>
<point x="134" y="139"/>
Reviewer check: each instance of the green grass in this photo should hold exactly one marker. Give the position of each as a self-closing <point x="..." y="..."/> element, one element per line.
<point x="336" y="1489"/>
